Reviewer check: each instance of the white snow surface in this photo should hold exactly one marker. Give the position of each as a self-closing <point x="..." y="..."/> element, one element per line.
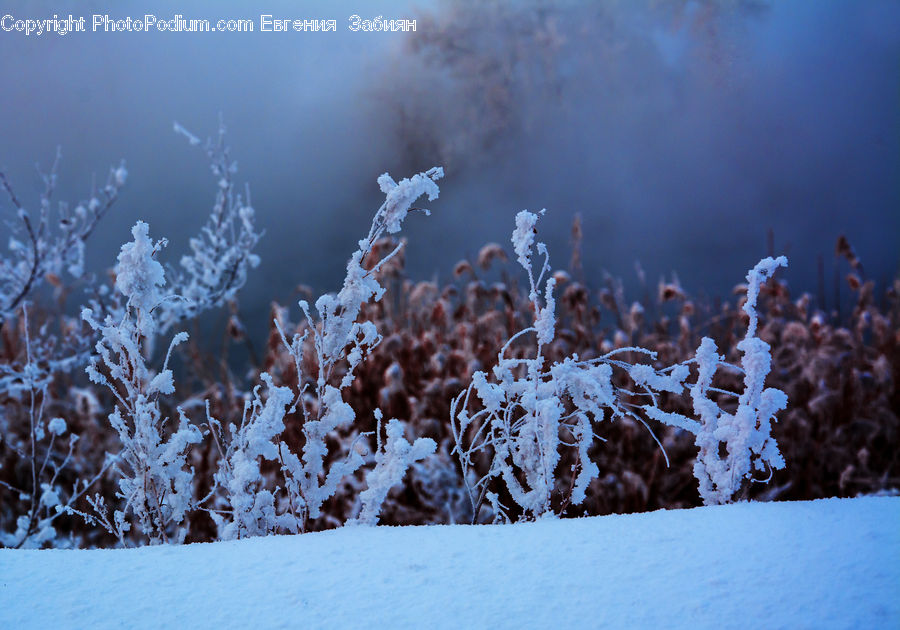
<point x="831" y="563"/>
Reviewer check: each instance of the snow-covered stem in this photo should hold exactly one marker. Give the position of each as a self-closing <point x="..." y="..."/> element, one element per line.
<point x="391" y="464"/>
<point x="250" y="506"/>
<point x="746" y="434"/>
<point x="42" y="248"/>
<point x="46" y="497"/>
<point x="223" y="252"/>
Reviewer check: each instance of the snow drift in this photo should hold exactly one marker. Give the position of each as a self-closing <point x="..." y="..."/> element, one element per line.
<point x="832" y="563"/>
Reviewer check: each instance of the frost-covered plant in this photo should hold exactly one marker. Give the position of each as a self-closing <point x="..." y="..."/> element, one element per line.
<point x="222" y="253"/>
<point x="46" y="243"/>
<point x="44" y="249"/>
<point x="47" y="497"/>
<point x="745" y="434"/>
<point x="391" y="463"/>
<point x="155" y="487"/>
<point x="250" y="509"/>
<point x="520" y="420"/>
<point x="338" y="339"/>
<point x="40" y="248"/>
<point x="45" y="356"/>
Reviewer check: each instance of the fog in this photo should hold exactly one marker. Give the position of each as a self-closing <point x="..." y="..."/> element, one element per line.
<point x="680" y="137"/>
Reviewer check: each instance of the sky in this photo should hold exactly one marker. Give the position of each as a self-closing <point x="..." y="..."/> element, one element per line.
<point x="681" y="135"/>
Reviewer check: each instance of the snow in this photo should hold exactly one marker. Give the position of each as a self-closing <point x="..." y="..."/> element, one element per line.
<point x="523" y="237"/>
<point x="138" y="275"/>
<point x="400" y="197"/>
<point x="832" y="563"/>
<point x="57" y="426"/>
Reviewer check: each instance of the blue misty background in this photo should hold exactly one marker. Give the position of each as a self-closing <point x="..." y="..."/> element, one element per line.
<point x="679" y="152"/>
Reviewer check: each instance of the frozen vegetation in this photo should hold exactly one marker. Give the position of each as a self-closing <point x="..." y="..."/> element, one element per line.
<point x="510" y="426"/>
<point x="125" y="451"/>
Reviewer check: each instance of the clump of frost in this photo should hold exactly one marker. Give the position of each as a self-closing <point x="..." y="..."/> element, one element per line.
<point x="391" y="464"/>
<point x="57" y="426"/>
<point x="139" y="277"/>
<point x="401" y="196"/>
<point x="523" y="237"/>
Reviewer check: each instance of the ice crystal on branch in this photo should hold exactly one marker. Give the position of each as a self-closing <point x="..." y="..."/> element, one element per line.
<point x="223" y="253"/>
<point x="41" y="248"/>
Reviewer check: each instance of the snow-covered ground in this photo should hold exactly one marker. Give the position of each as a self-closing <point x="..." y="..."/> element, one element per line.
<point x="824" y="564"/>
